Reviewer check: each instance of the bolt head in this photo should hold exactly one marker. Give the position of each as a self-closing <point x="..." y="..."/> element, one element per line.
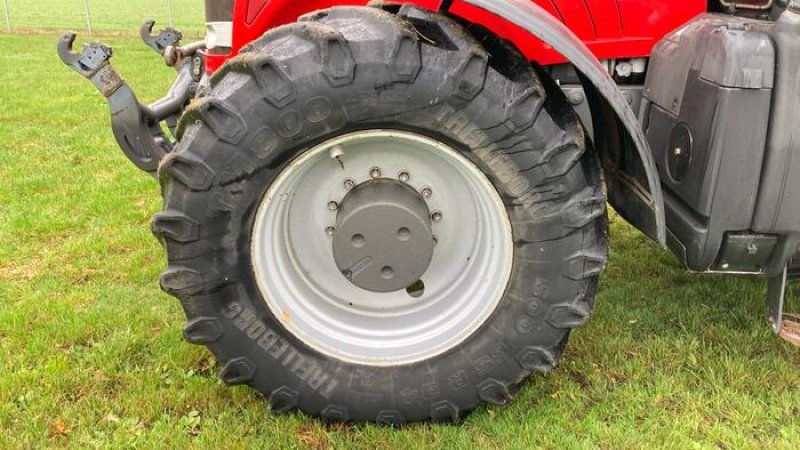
<point x="576" y="97"/>
<point x="333" y="206"/>
<point x="349" y="184"/>
<point x="436" y="216"/>
<point x="375" y="172"/>
<point x="403" y="176"/>
<point x="426" y="192"/>
<point x="330" y="231"/>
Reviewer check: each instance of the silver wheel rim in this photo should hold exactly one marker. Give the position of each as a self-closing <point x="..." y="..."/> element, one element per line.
<point x="296" y="274"/>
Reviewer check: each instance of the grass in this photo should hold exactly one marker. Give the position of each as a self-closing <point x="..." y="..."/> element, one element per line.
<point x="91" y="353"/>
<point x="106" y="15"/>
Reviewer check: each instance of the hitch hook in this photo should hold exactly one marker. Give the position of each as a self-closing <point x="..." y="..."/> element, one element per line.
<point x="168" y="37"/>
<point x="136" y="127"/>
<point x="92" y="63"/>
<point x="167" y="43"/>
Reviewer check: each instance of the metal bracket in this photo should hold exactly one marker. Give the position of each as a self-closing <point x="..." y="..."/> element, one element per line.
<point x="167" y="43"/>
<point x="93" y="63"/>
<point x="136" y="127"/>
<point x="168" y="37"/>
<point x="785" y="325"/>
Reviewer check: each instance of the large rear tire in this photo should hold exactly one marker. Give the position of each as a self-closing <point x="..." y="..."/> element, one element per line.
<point x="420" y="87"/>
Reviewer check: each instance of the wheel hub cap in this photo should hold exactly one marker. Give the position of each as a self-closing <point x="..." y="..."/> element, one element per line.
<point x="383" y="239"/>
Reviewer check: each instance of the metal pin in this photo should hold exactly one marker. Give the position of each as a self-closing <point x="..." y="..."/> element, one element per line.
<point x="336" y="152"/>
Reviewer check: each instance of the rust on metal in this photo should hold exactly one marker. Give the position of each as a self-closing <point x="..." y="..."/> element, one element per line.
<point x="790" y="331"/>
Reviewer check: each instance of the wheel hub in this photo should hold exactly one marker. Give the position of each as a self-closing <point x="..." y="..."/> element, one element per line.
<point x="383" y="240"/>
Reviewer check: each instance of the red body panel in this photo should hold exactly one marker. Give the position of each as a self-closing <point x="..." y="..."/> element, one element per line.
<point x="611" y="29"/>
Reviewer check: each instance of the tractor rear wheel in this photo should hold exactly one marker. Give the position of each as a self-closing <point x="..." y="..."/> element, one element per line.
<point x="376" y="216"/>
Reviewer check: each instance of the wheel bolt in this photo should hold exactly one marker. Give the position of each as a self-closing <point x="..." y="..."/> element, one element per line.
<point x="333" y="206"/>
<point x="375" y="172"/>
<point x="427" y="192"/>
<point x="349" y="184"/>
<point x="330" y="231"/>
<point x="404" y="176"/>
<point x="436" y="216"/>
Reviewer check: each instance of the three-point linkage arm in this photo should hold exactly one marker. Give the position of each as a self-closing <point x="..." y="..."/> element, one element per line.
<point x="136" y="126"/>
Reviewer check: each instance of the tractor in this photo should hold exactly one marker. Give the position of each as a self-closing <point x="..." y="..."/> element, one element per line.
<point x="396" y="211"/>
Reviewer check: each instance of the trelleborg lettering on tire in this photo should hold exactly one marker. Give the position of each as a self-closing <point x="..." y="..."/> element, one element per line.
<point x="280" y="349"/>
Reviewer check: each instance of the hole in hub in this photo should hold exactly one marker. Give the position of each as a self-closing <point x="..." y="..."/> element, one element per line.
<point x="358" y="240"/>
<point x="416" y="289"/>
<point x="404" y="234"/>
<point x="387" y="273"/>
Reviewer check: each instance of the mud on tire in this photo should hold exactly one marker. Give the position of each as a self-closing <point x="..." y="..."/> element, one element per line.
<point x="353" y="68"/>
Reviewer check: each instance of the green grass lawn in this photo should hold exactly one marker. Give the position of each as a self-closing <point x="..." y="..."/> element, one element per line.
<point x="91" y="352"/>
<point x="106" y="15"/>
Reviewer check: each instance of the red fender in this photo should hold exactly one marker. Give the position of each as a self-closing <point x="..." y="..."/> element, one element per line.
<point x="253" y="18"/>
<point x="611" y="29"/>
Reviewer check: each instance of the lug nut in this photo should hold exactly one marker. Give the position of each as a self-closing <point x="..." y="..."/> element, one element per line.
<point x="375" y="172"/>
<point x="330" y="231"/>
<point x="349" y="184"/>
<point x="436" y="216"/>
<point x="333" y="206"/>
<point x="426" y="192"/>
<point x="404" y="176"/>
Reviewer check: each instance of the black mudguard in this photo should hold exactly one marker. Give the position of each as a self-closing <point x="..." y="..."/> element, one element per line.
<point x="633" y="182"/>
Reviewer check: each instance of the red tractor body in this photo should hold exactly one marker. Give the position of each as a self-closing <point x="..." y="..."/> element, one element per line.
<point x="611" y="29"/>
